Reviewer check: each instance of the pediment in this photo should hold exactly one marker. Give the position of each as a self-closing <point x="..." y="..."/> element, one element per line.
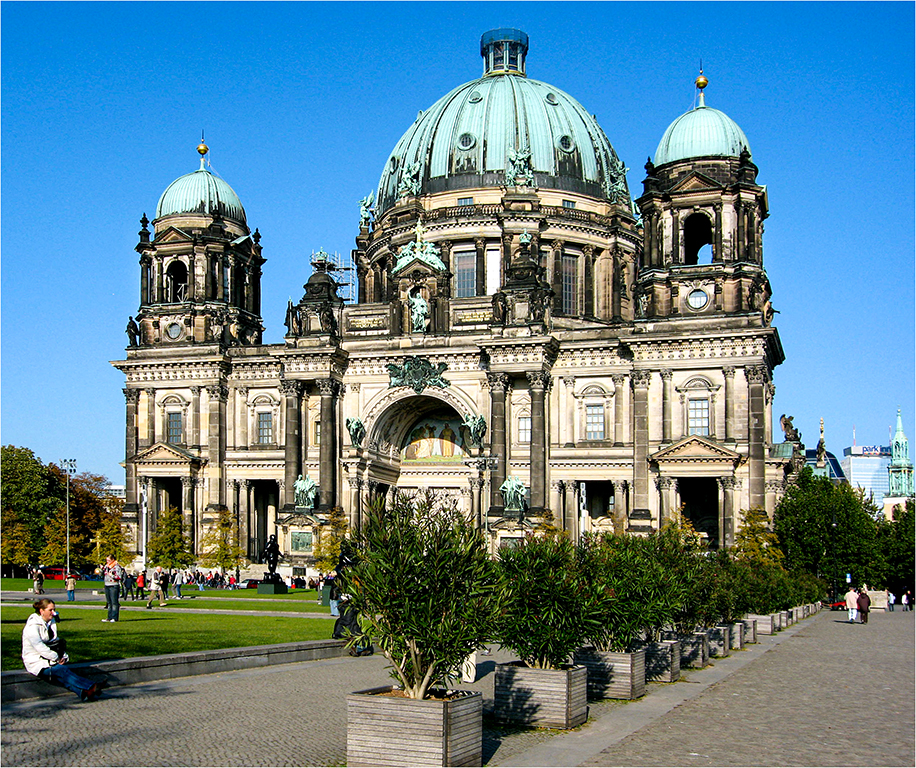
<point x="415" y="268"/>
<point x="165" y="454"/>
<point x="695" y="181"/>
<point x="695" y="449"/>
<point x="173" y="235"/>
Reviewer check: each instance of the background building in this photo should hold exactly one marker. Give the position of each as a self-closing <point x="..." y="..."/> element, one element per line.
<point x="523" y="330"/>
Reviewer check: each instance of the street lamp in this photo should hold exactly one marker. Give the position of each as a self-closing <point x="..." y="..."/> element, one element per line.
<point x="69" y="467"/>
<point x="833" y="564"/>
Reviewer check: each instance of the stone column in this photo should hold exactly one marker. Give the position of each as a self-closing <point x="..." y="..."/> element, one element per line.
<point x="187" y="510"/>
<point x="619" y="434"/>
<point x="571" y="510"/>
<point x="474" y="484"/>
<point x="150" y="418"/>
<point x="159" y="280"/>
<point x="537" y="384"/>
<point x="356" y="503"/>
<point x="668" y="506"/>
<point x="588" y="255"/>
<point x="241" y="400"/>
<point x="556" y="256"/>
<point x="556" y="503"/>
<point x="131" y="439"/>
<point x="145" y="263"/>
<point x="499" y="448"/>
<point x="639" y="381"/>
<point x="244" y="487"/>
<point x="729" y="394"/>
<point x="480" y="269"/>
<point x="216" y="444"/>
<point x="292" y="458"/>
<point x="569" y="427"/>
<point x="327" y="453"/>
<point x="667" y="376"/>
<point x="756" y="414"/>
<point x="774" y="489"/>
<point x="727" y="516"/>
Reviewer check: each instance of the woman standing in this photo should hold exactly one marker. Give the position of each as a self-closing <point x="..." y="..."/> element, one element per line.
<point x="71" y="588"/>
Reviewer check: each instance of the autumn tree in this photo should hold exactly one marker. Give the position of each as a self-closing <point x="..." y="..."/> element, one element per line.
<point x="327" y="549"/>
<point x="111" y="538"/>
<point x="54" y="551"/>
<point x="219" y="546"/>
<point x="168" y="546"/>
<point x="755" y="541"/>
<point x="31" y="494"/>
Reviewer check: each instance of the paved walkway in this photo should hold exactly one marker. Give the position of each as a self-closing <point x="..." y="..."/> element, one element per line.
<point x="790" y="700"/>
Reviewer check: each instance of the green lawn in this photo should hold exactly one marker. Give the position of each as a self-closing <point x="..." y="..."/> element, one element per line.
<point x="156" y="632"/>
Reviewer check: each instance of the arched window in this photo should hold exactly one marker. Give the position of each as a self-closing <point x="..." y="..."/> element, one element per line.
<point x="176" y="278"/>
<point x="697" y="233"/>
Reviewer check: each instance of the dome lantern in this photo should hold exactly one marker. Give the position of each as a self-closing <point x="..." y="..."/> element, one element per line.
<point x="504" y="51"/>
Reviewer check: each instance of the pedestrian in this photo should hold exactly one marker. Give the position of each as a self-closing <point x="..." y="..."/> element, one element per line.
<point x="129" y="584"/>
<point x="38" y="581"/>
<point x="905" y="601"/>
<point x="141" y="585"/>
<point x="71" y="588"/>
<point x="156" y="587"/>
<point x="333" y="593"/>
<point x="851" y="598"/>
<point x="863" y="602"/>
<point x="44" y="652"/>
<point x="909" y="599"/>
<point x="112" y="576"/>
<point x="891" y="599"/>
<point x="177" y="581"/>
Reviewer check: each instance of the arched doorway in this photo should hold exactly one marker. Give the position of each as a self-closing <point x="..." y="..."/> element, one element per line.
<point x="700" y="501"/>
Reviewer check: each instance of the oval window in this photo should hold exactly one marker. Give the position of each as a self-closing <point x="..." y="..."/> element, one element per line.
<point x="551" y="98"/>
<point x="393" y="164"/>
<point x="566" y="143"/>
<point x="697" y="299"/>
<point x="466" y="141"/>
<point x="475" y="97"/>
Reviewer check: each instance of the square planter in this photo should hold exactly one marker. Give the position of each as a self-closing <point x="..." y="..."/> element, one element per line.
<point x="738" y="636"/>
<point x="546" y="698"/>
<point x="391" y="730"/>
<point x="750" y="630"/>
<point x="613" y="674"/>
<point x="766" y="624"/>
<point x="695" y="650"/>
<point x="663" y="661"/>
<point x="785" y="620"/>
<point x="777" y="622"/>
<point x="720" y="640"/>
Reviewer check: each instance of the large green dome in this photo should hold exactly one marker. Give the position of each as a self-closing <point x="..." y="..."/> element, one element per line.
<point x="201" y="192"/>
<point x="701" y="132"/>
<point x="465" y="139"/>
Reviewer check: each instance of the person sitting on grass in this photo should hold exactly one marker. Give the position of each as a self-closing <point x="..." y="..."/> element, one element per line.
<point x="44" y="656"/>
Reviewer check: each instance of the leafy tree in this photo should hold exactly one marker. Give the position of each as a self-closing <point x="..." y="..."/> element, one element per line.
<point x="327" y="549"/>
<point x="219" y="546"/>
<point x="111" y="539"/>
<point x="896" y="539"/>
<point x="30" y="494"/>
<point x="168" y="546"/>
<point x="54" y="551"/>
<point x="755" y="541"/>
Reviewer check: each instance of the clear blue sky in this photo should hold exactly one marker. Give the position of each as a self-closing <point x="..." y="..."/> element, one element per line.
<point x="103" y="105"/>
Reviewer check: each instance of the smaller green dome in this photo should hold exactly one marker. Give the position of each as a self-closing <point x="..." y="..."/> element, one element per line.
<point x="701" y="132"/>
<point x="201" y="192"/>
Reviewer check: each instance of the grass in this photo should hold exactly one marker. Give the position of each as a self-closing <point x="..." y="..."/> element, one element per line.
<point x="153" y="633"/>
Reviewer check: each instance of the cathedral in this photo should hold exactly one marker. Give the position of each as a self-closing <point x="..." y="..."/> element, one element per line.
<point x="527" y="338"/>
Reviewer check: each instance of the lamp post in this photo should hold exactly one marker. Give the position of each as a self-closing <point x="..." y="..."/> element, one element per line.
<point x="833" y="564"/>
<point x="69" y="467"/>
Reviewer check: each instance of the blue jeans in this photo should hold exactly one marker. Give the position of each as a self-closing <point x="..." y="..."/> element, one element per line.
<point x="71" y="595"/>
<point x="335" y="607"/>
<point x="178" y="591"/>
<point x="61" y="674"/>
<point x="112" y="595"/>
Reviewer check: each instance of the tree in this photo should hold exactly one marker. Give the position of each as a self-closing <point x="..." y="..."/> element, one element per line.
<point x="219" y="546"/>
<point x="327" y="549"/>
<point x="30" y="495"/>
<point x="755" y="541"/>
<point x="168" y="546"/>
<point x="111" y="539"/>
<point x="895" y="539"/>
<point x="54" y="551"/>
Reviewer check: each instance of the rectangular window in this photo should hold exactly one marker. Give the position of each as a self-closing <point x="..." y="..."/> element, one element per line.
<point x="465" y="201"/>
<point x="173" y="427"/>
<point x="317" y="432"/>
<point x="300" y="541"/>
<point x="265" y="428"/>
<point x="569" y="203"/>
<point x="594" y="422"/>
<point x="524" y="429"/>
<point x="698" y="417"/>
<point x="569" y="265"/>
<point x="465" y="274"/>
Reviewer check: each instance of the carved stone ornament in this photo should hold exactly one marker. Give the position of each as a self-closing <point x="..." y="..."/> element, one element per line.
<point x="418" y="374"/>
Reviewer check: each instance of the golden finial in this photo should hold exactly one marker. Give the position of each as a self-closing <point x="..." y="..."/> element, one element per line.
<point x="701" y="80"/>
<point x="202" y="148"/>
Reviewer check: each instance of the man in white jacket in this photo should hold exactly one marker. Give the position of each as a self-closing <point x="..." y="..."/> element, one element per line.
<point x="43" y="661"/>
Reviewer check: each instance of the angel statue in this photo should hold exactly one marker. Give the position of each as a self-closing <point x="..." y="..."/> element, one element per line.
<point x="476" y="427"/>
<point x="513" y="491"/>
<point x="365" y="209"/>
<point x="792" y="434"/>
<point x="518" y="172"/>
<point x="357" y="431"/>
<point x="419" y="313"/>
<point x="305" y="489"/>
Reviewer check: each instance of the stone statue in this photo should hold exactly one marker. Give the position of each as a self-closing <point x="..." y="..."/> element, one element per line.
<point x="292" y="319"/>
<point x="539" y="299"/>
<point x="357" y="431"/>
<point x="513" y="491"/>
<point x="327" y="319"/>
<point x="419" y="249"/>
<point x="271" y="554"/>
<point x="477" y="428"/>
<point x="419" y="313"/>
<point x="305" y="489"/>
<point x="500" y="308"/>
<point x="518" y="170"/>
<point x="792" y="434"/>
<point x="133" y="332"/>
<point x="365" y="209"/>
<point x="821" y="448"/>
<point x="409" y="184"/>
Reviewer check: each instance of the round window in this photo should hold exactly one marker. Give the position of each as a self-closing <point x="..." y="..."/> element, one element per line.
<point x="466" y="141"/>
<point x="551" y="98"/>
<point x="475" y="97"/>
<point x="566" y="143"/>
<point x="697" y="299"/>
<point x="173" y="330"/>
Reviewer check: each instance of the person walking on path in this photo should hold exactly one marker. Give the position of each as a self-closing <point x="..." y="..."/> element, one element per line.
<point x="156" y="580"/>
<point x="112" y="575"/>
<point x="863" y="602"/>
<point x="38" y="580"/>
<point x="851" y="604"/>
<point x="891" y="599"/>
<point x="43" y="653"/>
<point x="177" y="581"/>
<point x="71" y="588"/>
<point x="908" y="600"/>
<point x="141" y="585"/>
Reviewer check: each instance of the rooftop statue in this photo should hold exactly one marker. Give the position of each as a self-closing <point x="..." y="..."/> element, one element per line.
<point x="513" y="491"/>
<point x="616" y="186"/>
<point x="365" y="209"/>
<point x="409" y="185"/>
<point x="518" y="171"/>
<point x="421" y="249"/>
<point x="792" y="434"/>
<point x="133" y="331"/>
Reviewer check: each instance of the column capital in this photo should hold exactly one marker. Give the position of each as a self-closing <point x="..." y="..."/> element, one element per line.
<point x="664" y="483"/>
<point x="639" y="379"/>
<point x="218" y="391"/>
<point x="290" y="387"/>
<point x="538" y="379"/>
<point x="728" y="371"/>
<point x="150" y="391"/>
<point x="132" y="396"/>
<point x="667" y="374"/>
<point x="728" y="483"/>
<point x="498" y="381"/>
<point x="618" y="379"/>
<point x="242" y="391"/>
<point x="558" y="486"/>
<point x="328" y="387"/>
<point x="756" y="374"/>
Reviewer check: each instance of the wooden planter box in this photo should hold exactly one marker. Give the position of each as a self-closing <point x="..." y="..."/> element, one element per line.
<point x="720" y="642"/>
<point x="663" y="661"/>
<point x="390" y="730"/>
<point x="737" y="636"/>
<point x="750" y="630"/>
<point x="765" y="623"/>
<point x="612" y="674"/>
<point x="546" y="698"/>
<point x="695" y="650"/>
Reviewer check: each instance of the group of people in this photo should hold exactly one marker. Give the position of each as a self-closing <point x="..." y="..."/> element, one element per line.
<point x="858" y="604"/>
<point x="906" y="601"/>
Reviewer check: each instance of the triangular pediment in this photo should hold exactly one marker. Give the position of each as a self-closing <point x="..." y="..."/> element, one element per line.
<point x="695" y="449"/>
<point x="415" y="267"/>
<point x="173" y="235"/>
<point x="695" y="181"/>
<point x="165" y="454"/>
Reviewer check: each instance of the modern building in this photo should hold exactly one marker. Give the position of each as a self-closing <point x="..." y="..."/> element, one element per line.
<point x="527" y="338"/>
<point x="865" y="467"/>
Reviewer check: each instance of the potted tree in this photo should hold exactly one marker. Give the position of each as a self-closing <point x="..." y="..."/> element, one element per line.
<point x="423" y="588"/>
<point x="543" y="617"/>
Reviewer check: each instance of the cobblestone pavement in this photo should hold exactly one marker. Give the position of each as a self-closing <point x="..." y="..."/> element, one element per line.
<point x="790" y="701"/>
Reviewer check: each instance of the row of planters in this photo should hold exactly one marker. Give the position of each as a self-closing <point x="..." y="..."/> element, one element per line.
<point x="594" y="619"/>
